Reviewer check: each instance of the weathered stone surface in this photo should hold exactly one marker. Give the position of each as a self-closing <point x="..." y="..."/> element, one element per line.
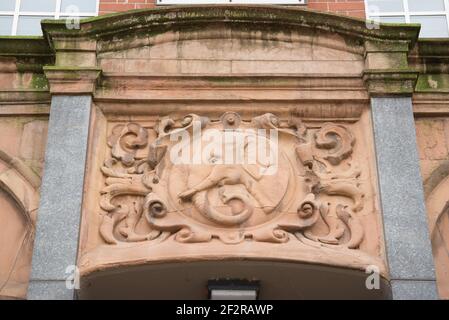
<point x="16" y="249"/>
<point x="328" y="54"/>
<point x="427" y="167"/>
<point x="245" y="214"/>
<point x="283" y="61"/>
<point x="34" y="140"/>
<point x="437" y="203"/>
<point x="446" y="134"/>
<point x="11" y="135"/>
<point x="431" y="137"/>
<point x="19" y="202"/>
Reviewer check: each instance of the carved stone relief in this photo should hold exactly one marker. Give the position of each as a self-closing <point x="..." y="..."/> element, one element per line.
<point x="312" y="193"/>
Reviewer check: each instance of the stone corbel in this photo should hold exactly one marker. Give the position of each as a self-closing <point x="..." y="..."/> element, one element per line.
<point x="72" y="80"/>
<point x="381" y="82"/>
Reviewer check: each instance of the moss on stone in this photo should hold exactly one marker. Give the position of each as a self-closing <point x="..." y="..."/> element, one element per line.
<point x="25" y="46"/>
<point x="39" y="81"/>
<point x="433" y="83"/>
<point x="433" y="47"/>
<point x="263" y="16"/>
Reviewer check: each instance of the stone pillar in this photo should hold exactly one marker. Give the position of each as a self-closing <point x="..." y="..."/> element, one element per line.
<point x="391" y="82"/>
<point x="58" y="223"/>
<point x="72" y="82"/>
<point x="407" y="240"/>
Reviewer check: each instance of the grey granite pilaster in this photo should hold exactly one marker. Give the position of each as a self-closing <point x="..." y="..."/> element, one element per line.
<point x="58" y="221"/>
<point x="414" y="289"/>
<point x="49" y="290"/>
<point x="408" y="246"/>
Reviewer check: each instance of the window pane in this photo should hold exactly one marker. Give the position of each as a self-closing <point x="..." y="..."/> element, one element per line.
<point x="7" y="5"/>
<point x="385" y="6"/>
<point x="38" y="6"/>
<point x="80" y="5"/>
<point x="395" y="19"/>
<point x="422" y="5"/>
<point x="30" y="26"/>
<point x="431" y="26"/>
<point x="5" y="25"/>
<point x="72" y="17"/>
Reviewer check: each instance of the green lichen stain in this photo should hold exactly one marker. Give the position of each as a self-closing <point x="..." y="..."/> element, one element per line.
<point x="433" y="83"/>
<point x="39" y="81"/>
<point x="433" y="47"/>
<point x="24" y="45"/>
<point x="263" y="16"/>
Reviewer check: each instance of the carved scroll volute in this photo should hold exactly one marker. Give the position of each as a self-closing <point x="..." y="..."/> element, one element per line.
<point x="234" y="202"/>
<point x="322" y="155"/>
<point x="125" y="140"/>
<point x="121" y="218"/>
<point x="337" y="140"/>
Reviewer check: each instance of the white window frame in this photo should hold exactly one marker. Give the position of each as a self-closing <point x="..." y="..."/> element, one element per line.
<point x="407" y="13"/>
<point x="56" y="14"/>
<point x="186" y="2"/>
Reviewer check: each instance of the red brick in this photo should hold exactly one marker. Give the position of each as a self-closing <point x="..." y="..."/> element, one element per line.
<point x="355" y="8"/>
<point x="113" y="7"/>
<point x="346" y="6"/>
<point x="321" y="6"/>
<point x="358" y="14"/>
<point x="145" y="5"/>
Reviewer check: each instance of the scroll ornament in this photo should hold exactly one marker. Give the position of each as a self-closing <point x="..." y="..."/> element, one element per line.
<point x="314" y="196"/>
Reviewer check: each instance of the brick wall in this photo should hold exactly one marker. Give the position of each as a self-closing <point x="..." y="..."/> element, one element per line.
<point x="355" y="8"/>
<point x="109" y="6"/>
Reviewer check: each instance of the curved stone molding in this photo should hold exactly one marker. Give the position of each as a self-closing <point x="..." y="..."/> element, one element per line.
<point x="437" y="203"/>
<point x="16" y="164"/>
<point x="21" y="184"/>
<point x="195" y="16"/>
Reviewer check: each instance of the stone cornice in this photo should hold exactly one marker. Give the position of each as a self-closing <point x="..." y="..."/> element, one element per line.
<point x="18" y="46"/>
<point x="433" y="47"/>
<point x="29" y="53"/>
<point x="390" y="47"/>
<point x="168" y="18"/>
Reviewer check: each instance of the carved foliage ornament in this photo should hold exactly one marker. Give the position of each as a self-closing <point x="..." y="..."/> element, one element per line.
<point x="307" y="189"/>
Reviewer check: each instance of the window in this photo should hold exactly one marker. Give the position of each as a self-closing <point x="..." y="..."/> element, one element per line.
<point x="433" y="15"/>
<point x="23" y="17"/>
